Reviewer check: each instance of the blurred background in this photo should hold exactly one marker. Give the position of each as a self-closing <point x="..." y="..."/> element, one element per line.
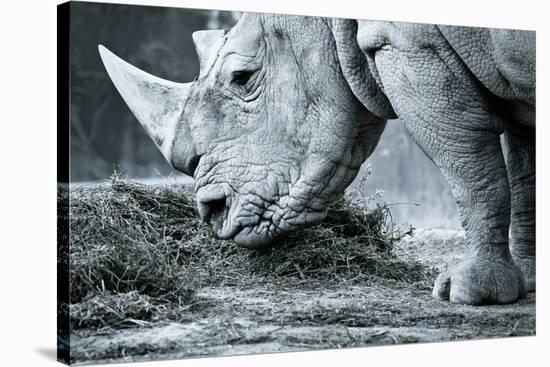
<point x="105" y="136"/>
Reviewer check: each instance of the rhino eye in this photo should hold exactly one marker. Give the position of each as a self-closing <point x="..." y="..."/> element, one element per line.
<point x="242" y="77"/>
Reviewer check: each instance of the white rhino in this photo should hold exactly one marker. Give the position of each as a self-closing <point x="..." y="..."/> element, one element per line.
<point x="287" y="108"/>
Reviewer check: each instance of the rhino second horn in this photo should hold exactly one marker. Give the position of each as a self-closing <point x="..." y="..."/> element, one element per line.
<point x="155" y="102"/>
<point x="207" y="45"/>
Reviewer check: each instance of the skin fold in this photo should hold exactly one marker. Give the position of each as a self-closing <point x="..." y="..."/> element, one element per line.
<point x="286" y="109"/>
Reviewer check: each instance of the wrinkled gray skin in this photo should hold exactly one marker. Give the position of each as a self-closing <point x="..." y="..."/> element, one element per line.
<point x="286" y="109"/>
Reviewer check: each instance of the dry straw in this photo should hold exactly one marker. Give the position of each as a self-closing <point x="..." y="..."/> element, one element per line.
<point x="129" y="240"/>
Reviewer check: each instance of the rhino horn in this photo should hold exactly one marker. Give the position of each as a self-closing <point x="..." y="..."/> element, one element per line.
<point x="155" y="102"/>
<point x="207" y="45"/>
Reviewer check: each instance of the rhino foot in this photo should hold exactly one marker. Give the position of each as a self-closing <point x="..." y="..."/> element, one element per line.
<point x="481" y="282"/>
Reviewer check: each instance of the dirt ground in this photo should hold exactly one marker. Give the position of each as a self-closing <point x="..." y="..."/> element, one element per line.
<point x="276" y="317"/>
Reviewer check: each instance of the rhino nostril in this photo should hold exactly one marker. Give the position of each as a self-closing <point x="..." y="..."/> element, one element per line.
<point x="187" y="165"/>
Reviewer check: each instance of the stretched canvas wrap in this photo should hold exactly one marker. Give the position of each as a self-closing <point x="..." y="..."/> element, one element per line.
<point x="235" y="183"/>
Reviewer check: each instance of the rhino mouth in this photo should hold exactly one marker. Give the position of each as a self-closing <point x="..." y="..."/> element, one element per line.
<point x="220" y="208"/>
<point x="251" y="225"/>
<point x="214" y="204"/>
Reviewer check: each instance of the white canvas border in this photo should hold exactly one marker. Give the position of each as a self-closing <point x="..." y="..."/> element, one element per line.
<point x="28" y="152"/>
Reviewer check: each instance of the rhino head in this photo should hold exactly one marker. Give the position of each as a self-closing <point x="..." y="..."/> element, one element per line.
<point x="275" y="127"/>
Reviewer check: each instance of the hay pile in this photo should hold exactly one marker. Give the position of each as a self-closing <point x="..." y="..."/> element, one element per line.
<point x="129" y="238"/>
<point x="352" y="243"/>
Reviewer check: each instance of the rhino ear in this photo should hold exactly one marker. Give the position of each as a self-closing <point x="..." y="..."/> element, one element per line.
<point x="207" y="44"/>
<point x="156" y="103"/>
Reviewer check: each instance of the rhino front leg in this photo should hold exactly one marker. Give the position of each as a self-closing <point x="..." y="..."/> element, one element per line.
<point x="474" y="166"/>
<point x="449" y="115"/>
<point x="519" y="145"/>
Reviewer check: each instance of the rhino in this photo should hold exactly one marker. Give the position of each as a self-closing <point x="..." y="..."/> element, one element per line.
<point x="285" y="110"/>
